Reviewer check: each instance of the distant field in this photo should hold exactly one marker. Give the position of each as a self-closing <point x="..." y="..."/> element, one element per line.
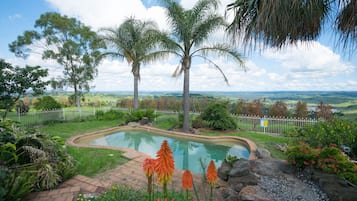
<point x="346" y="102"/>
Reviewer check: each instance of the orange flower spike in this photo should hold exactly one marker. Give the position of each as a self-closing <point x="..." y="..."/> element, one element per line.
<point x="211" y="173"/>
<point x="187" y="180"/>
<point x="165" y="164"/>
<point x="149" y="166"/>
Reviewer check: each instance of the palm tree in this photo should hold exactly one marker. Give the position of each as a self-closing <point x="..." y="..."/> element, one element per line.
<point x="190" y="30"/>
<point x="280" y="22"/>
<point x="135" y="41"/>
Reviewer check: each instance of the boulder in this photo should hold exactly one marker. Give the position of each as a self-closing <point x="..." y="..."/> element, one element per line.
<point x="239" y="168"/>
<point x="262" y="153"/>
<point x="223" y="170"/>
<point x="253" y="193"/>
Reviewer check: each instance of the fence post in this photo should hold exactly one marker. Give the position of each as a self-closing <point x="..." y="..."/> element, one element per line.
<point x="64" y="114"/>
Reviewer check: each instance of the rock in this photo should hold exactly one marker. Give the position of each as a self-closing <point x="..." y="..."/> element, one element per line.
<point x="240" y="168"/>
<point x="144" y="121"/>
<point x="249" y="179"/>
<point x="133" y="124"/>
<point x="229" y="194"/>
<point x="253" y="193"/>
<point x="223" y="170"/>
<point x="262" y="153"/>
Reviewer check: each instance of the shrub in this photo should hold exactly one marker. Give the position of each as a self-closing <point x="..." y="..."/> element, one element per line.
<point x="328" y="159"/>
<point x="137" y="115"/>
<point x="109" y="115"/>
<point x="31" y="161"/>
<point x="335" y="131"/>
<point x="47" y="103"/>
<point x="217" y="116"/>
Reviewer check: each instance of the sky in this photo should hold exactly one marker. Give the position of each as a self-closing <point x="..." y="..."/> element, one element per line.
<point x="317" y="66"/>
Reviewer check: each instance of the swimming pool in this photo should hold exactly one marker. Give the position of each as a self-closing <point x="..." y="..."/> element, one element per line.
<point x="188" y="154"/>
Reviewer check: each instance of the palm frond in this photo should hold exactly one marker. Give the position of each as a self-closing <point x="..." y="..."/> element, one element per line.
<point x="216" y="66"/>
<point x="222" y="50"/>
<point x="277" y="22"/>
<point x="346" y="23"/>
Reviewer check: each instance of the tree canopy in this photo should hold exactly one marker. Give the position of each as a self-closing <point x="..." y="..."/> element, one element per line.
<point x="135" y="41"/>
<point x="68" y="42"/>
<point x="280" y="22"/>
<point x="191" y="30"/>
<point x="16" y="82"/>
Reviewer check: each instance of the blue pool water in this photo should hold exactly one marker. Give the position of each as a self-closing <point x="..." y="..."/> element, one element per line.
<point x="187" y="154"/>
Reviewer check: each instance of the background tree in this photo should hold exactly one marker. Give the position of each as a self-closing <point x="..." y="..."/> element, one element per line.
<point x="281" y="22"/>
<point x="190" y="31"/>
<point x="136" y="41"/>
<point x="46" y="103"/>
<point x="16" y="82"/>
<point x="255" y="108"/>
<point x="324" y="111"/>
<point x="67" y="41"/>
<point x="301" y="110"/>
<point x="278" y="109"/>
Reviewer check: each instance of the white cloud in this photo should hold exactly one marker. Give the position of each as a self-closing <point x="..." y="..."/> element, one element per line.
<point x="15" y="17"/>
<point x="311" y="59"/>
<point x="304" y="67"/>
<point x="108" y="13"/>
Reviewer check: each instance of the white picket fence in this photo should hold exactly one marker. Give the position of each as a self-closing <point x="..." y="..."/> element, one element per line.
<point x="274" y="125"/>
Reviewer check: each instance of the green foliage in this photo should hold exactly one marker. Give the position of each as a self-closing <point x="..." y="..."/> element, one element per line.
<point x="31" y="160"/>
<point x="121" y="192"/>
<point x="328" y="159"/>
<point x="335" y="131"/>
<point x="137" y="115"/>
<point x="109" y="115"/>
<point x="216" y="116"/>
<point x="47" y="103"/>
<point x="16" y="81"/>
<point x="68" y="42"/>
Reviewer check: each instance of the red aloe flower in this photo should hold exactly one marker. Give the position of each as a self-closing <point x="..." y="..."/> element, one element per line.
<point x="149" y="166"/>
<point x="164" y="166"/>
<point x="187" y="180"/>
<point x="211" y="173"/>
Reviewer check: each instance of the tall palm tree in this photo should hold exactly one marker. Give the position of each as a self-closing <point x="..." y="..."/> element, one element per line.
<point x="191" y="30"/>
<point x="135" y="41"/>
<point x="280" y="22"/>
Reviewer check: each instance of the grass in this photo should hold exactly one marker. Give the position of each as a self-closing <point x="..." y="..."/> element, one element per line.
<point x="89" y="161"/>
<point x="67" y="130"/>
<point x="261" y="140"/>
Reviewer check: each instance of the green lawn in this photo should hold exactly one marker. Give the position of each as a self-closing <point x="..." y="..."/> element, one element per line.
<point x="89" y="161"/>
<point x="260" y="139"/>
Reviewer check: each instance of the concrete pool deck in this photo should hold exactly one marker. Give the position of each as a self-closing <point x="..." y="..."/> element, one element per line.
<point x="131" y="173"/>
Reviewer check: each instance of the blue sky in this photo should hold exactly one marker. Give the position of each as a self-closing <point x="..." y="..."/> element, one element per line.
<point x="318" y="65"/>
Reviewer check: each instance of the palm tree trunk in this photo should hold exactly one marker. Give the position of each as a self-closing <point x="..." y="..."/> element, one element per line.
<point x="136" y="87"/>
<point x="186" y="95"/>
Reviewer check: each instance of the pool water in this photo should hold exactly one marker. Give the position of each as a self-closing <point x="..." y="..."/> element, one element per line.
<point x="187" y="154"/>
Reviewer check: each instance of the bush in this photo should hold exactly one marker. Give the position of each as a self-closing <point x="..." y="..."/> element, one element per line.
<point x="109" y="115"/>
<point x="47" y="103"/>
<point x="335" y="131"/>
<point x="328" y="159"/>
<point x="30" y="161"/>
<point x="216" y="116"/>
<point x="137" y="115"/>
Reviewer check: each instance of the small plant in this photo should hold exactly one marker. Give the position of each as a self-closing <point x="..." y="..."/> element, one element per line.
<point x="230" y="159"/>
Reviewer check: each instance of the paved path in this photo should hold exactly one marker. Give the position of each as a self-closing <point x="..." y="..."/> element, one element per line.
<point x="130" y="174"/>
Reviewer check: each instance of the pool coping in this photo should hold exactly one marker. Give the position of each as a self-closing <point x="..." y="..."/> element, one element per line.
<point x="131" y="154"/>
